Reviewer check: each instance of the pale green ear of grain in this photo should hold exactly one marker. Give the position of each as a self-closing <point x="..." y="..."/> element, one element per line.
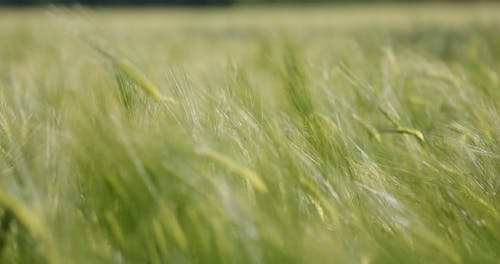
<point x="403" y="130"/>
<point x="412" y="132"/>
<point x="232" y="166"/>
<point x="371" y="130"/>
<point x="326" y="208"/>
<point x="132" y="72"/>
<point x="33" y="225"/>
<point x="390" y="116"/>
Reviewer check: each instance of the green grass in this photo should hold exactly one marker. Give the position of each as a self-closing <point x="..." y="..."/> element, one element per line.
<point x="349" y="134"/>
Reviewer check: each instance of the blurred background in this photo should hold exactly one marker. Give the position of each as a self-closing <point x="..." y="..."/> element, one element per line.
<point x="204" y="2"/>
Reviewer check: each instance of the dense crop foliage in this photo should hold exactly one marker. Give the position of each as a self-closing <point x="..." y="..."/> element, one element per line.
<point x="250" y="136"/>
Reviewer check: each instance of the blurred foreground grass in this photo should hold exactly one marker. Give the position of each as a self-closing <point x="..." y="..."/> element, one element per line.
<point x="346" y="134"/>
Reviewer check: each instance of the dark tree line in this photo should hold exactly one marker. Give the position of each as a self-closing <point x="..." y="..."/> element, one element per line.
<point x="194" y="2"/>
<point x="116" y="2"/>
